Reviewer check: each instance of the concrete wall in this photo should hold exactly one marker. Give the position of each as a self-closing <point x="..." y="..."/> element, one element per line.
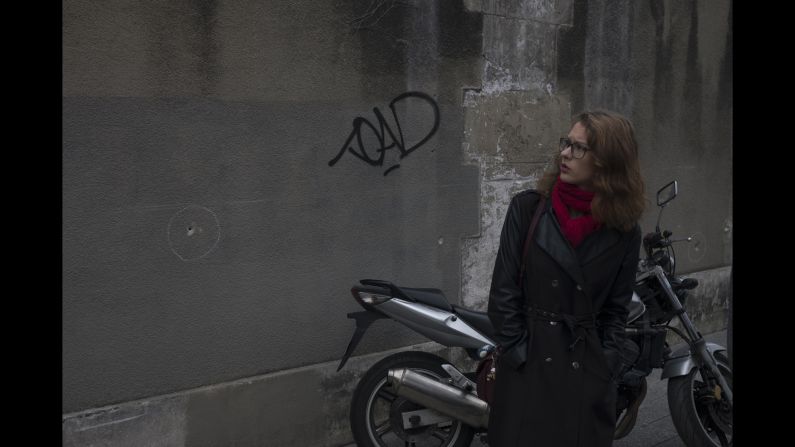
<point x="206" y="235"/>
<point x="211" y="232"/>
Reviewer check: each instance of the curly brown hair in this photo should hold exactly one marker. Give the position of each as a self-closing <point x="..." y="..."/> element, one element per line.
<point x="620" y="191"/>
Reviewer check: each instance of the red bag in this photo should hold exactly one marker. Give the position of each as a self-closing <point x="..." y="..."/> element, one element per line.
<point x="486" y="375"/>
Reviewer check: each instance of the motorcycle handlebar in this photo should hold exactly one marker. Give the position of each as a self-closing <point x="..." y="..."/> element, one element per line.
<point x="657" y="240"/>
<point x="654" y="240"/>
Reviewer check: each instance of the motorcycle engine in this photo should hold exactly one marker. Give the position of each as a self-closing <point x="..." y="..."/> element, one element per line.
<point x="631" y="352"/>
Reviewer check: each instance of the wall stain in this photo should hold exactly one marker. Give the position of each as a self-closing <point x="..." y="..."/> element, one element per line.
<point x="691" y="115"/>
<point x="662" y="105"/>
<point x="726" y="69"/>
<point x="571" y="56"/>
<point x="206" y="45"/>
<point x="460" y="31"/>
<point x="183" y="47"/>
<point x="387" y="32"/>
<point x="383" y="29"/>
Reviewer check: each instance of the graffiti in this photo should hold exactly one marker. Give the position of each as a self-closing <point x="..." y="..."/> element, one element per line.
<point x="397" y="142"/>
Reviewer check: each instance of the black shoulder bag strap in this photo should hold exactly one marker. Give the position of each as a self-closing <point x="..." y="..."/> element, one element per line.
<point x="539" y="210"/>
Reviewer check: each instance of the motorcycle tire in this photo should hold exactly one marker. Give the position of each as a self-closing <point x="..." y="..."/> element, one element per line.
<point x="699" y="418"/>
<point x="377" y="413"/>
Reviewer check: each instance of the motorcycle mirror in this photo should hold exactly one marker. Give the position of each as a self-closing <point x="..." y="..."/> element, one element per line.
<point x="667" y="193"/>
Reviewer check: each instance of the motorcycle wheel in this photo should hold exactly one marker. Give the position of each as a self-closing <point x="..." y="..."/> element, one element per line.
<point x="376" y="411"/>
<point x="700" y="419"/>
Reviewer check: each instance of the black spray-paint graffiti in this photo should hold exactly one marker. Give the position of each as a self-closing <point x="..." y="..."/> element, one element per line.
<point x="380" y="134"/>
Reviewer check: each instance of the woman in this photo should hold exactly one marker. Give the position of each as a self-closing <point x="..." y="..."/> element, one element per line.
<point x="561" y="330"/>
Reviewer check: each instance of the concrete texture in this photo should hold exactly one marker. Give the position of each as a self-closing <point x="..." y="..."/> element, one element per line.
<point x="636" y="58"/>
<point x="214" y="218"/>
<point x="508" y="137"/>
<point x="708" y="305"/>
<point x="202" y="227"/>
<point x="305" y="406"/>
<point x="666" y="66"/>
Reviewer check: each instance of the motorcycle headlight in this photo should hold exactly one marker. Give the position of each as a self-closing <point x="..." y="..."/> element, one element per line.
<point x="664" y="260"/>
<point x="373" y="298"/>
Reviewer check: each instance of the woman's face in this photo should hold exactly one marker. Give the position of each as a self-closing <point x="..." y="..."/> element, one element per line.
<point x="577" y="171"/>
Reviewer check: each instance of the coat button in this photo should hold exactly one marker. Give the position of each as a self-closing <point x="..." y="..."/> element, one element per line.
<point x="579" y="287"/>
<point x="548" y="359"/>
<point x="575" y="365"/>
<point x="553" y="323"/>
<point x="554" y="283"/>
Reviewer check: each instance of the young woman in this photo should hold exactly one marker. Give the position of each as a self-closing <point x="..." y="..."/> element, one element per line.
<point x="561" y="330"/>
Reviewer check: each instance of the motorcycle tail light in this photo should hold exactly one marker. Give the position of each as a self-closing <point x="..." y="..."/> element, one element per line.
<point x="369" y="298"/>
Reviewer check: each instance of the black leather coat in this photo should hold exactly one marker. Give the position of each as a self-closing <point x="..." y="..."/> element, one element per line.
<point x="556" y="377"/>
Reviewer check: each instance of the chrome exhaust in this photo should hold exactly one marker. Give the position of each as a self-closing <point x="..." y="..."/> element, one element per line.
<point x="445" y="399"/>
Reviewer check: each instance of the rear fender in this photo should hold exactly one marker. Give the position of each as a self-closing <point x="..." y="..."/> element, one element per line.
<point x="363" y="321"/>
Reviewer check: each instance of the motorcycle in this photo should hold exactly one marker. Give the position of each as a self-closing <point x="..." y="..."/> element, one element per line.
<point x="414" y="398"/>
<point x="699" y="376"/>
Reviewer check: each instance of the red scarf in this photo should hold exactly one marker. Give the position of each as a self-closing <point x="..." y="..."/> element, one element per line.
<point x="575" y="229"/>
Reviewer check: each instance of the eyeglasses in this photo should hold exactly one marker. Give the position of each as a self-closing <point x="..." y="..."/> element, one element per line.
<point x="577" y="149"/>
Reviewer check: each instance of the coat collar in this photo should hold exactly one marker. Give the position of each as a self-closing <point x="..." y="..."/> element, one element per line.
<point x="551" y="239"/>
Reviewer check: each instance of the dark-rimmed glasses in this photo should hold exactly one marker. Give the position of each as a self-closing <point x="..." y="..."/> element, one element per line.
<point x="577" y="150"/>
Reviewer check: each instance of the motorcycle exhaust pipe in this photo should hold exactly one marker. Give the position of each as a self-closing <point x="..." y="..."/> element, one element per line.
<point x="445" y="399"/>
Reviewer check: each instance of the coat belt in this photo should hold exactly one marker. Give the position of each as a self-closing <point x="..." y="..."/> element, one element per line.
<point x="572" y="322"/>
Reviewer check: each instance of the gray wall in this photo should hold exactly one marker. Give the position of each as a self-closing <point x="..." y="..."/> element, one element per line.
<point x="664" y="64"/>
<point x="207" y="238"/>
<point x="668" y="66"/>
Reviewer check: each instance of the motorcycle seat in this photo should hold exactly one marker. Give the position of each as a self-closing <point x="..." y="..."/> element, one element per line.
<point x="431" y="297"/>
<point x="478" y="320"/>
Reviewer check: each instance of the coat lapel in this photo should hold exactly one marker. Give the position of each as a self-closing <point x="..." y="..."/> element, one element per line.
<point x="598" y="243"/>
<point x="549" y="237"/>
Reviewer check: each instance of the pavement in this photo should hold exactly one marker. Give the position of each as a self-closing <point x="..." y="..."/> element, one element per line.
<point x="654" y="427"/>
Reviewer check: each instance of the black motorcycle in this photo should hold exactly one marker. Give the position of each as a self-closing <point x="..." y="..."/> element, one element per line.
<point x="699" y="375"/>
<point x="417" y="398"/>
